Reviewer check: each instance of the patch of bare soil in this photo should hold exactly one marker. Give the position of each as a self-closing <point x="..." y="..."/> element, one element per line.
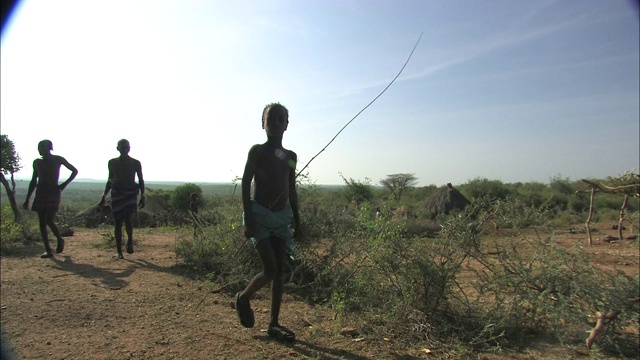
<point x="85" y="304"/>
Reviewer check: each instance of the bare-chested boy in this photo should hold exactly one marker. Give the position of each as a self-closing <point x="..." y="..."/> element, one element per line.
<point x="46" y="172"/>
<point x="268" y="215"/>
<point x="124" y="194"/>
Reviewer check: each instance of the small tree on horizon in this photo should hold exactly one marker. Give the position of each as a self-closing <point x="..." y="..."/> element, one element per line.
<point x="397" y="183"/>
<point x="9" y="164"/>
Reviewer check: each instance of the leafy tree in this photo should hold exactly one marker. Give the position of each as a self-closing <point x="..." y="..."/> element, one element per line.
<point x="358" y="191"/>
<point x="10" y="164"/>
<point x="482" y="187"/>
<point x="397" y="183"/>
<point x="561" y="185"/>
<point x="181" y="196"/>
<point x="532" y="193"/>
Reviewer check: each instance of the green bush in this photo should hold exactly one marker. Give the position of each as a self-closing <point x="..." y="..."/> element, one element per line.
<point x="608" y="201"/>
<point x="458" y="289"/>
<point x="565" y="219"/>
<point x="560" y="185"/>
<point x="481" y="187"/>
<point x="11" y="233"/>
<point x="606" y="215"/>
<point x="204" y="244"/>
<point x="578" y="203"/>
<point x="415" y="288"/>
<point x="180" y="198"/>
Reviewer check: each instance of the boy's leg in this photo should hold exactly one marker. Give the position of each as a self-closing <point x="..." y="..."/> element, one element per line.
<point x="42" y="222"/>
<point x="118" y="235"/>
<point x="51" y="221"/>
<point x="268" y="273"/>
<point x="279" y="247"/>
<point x="128" y="224"/>
<point x="276" y="330"/>
<point x="242" y="299"/>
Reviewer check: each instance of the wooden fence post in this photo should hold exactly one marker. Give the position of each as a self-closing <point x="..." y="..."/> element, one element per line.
<point x="593" y="192"/>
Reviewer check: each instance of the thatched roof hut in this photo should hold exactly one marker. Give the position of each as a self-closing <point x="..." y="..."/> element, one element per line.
<point x="445" y="200"/>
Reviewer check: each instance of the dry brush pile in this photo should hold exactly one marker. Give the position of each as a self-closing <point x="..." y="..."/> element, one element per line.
<point x="460" y="288"/>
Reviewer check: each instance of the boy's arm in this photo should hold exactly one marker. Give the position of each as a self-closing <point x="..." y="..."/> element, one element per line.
<point x="293" y="195"/>
<point x="32" y="185"/>
<point x="247" y="177"/>
<point x="293" y="200"/>
<point x="74" y="173"/>
<point x="107" y="187"/>
<point x="141" y="185"/>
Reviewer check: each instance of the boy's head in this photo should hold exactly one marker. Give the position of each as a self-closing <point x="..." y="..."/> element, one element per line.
<point x="45" y="146"/>
<point x="123" y="146"/>
<point x="274" y="106"/>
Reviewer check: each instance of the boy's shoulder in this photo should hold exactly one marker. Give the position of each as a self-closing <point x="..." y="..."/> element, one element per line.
<point x="260" y="147"/>
<point x="49" y="159"/>
<point x="257" y="148"/>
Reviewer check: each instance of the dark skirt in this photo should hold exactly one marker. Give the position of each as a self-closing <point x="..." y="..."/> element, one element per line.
<point x="124" y="200"/>
<point x="47" y="198"/>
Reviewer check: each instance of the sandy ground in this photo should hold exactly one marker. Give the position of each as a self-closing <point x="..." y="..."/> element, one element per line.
<point x="84" y="304"/>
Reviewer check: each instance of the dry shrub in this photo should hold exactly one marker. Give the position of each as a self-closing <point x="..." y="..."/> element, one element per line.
<point x="455" y="289"/>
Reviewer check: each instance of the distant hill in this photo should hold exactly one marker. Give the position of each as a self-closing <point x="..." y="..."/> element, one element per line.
<point x="85" y="192"/>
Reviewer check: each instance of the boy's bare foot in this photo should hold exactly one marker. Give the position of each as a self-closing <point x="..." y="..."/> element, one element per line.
<point x="129" y="247"/>
<point x="46" y="255"/>
<point x="119" y="256"/>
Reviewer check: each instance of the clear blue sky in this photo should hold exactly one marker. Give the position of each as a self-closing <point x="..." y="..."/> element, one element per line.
<point x="505" y="90"/>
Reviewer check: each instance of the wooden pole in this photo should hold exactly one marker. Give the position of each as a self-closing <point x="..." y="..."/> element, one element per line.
<point x="593" y="192"/>
<point x="624" y="206"/>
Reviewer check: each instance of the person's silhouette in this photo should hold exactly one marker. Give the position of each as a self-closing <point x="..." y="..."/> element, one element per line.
<point x="124" y="194"/>
<point x="46" y="172"/>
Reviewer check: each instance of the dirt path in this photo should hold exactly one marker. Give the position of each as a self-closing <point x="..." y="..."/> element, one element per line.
<point x="84" y="304"/>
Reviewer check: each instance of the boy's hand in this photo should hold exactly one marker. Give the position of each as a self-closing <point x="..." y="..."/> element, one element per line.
<point x="100" y="205"/>
<point x="26" y="205"/>
<point x="296" y="231"/>
<point x="249" y="229"/>
<point x="142" y="202"/>
<point x="249" y="225"/>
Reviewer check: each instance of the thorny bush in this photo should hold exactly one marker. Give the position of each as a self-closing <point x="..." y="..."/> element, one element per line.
<point x="462" y="287"/>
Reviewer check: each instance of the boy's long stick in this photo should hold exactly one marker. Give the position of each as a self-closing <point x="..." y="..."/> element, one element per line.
<point x="365" y="108"/>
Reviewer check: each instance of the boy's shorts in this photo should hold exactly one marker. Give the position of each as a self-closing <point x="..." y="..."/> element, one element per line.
<point x="272" y="224"/>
